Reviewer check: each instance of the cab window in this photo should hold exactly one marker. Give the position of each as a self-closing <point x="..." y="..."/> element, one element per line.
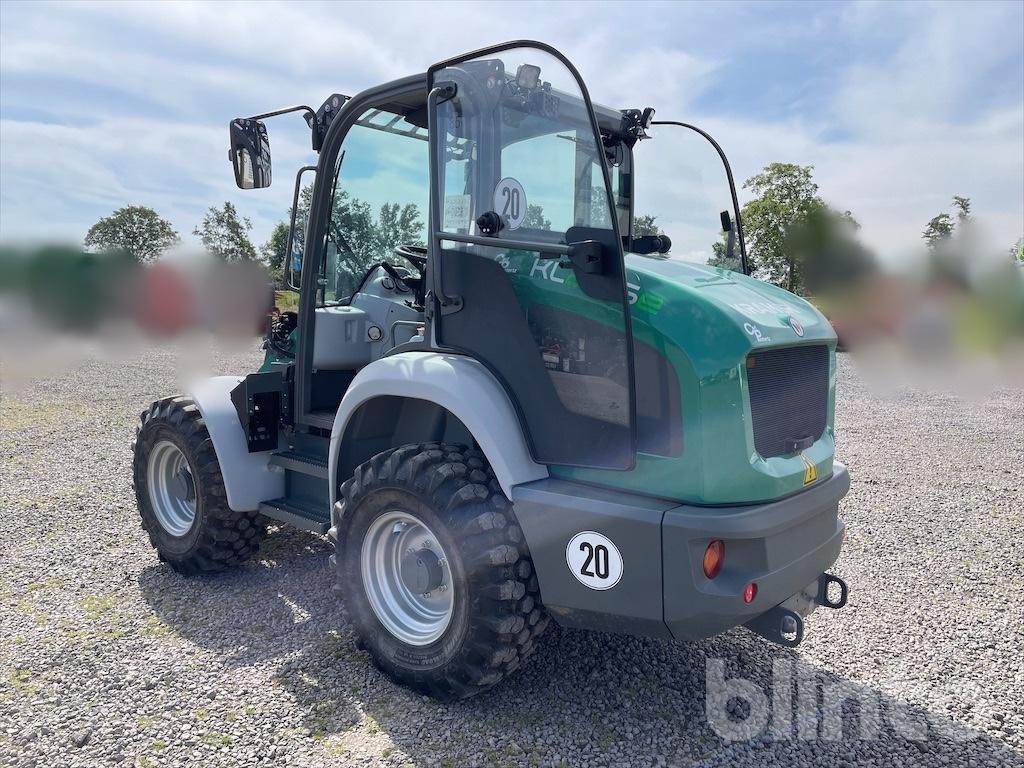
<point x="379" y="201"/>
<point x="563" y="182"/>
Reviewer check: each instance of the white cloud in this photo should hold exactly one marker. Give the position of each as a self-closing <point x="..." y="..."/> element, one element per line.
<point x="902" y="130"/>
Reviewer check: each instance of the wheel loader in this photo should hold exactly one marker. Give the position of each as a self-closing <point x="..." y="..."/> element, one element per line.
<point x="530" y="379"/>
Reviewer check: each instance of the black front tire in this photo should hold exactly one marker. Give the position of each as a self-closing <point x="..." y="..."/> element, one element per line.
<point x="497" y="613"/>
<point x="219" y="537"/>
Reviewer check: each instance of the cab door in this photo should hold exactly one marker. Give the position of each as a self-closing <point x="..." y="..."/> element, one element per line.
<point x="525" y="255"/>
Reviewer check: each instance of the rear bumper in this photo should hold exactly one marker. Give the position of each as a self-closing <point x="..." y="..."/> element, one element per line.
<point x="782" y="546"/>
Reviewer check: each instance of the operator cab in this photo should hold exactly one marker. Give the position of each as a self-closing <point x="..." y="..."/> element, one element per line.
<point x="536" y="199"/>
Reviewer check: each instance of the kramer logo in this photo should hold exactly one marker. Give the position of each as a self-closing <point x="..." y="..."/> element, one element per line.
<point x="795" y="325"/>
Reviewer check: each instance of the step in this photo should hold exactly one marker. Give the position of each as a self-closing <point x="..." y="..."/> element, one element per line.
<point x="297" y="461"/>
<point x="307" y="517"/>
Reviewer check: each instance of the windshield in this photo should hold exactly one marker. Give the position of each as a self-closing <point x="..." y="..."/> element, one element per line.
<point x="681" y="189"/>
<point x="520" y="144"/>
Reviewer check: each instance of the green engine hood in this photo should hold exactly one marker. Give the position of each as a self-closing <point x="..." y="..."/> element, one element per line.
<point x="706" y="321"/>
<point x="717" y="316"/>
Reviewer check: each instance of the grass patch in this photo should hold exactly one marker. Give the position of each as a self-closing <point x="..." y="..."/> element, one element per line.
<point x="215" y="739"/>
<point x="154" y="627"/>
<point x="16" y="415"/>
<point x="96" y="605"/>
<point x="18" y="679"/>
<point x="337" y="750"/>
<point x="30" y="610"/>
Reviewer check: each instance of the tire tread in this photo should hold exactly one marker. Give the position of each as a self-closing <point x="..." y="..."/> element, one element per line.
<point x="227" y="538"/>
<point x="507" y="617"/>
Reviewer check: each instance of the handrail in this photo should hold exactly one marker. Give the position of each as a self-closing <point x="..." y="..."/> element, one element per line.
<point x="494" y="242"/>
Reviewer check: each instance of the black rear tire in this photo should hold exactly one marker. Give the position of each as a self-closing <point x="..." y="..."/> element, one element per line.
<point x="219" y="537"/>
<point x="497" y="613"/>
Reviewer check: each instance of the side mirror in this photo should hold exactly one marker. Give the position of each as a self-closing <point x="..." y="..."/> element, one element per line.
<point x="250" y="153"/>
<point x="730" y="230"/>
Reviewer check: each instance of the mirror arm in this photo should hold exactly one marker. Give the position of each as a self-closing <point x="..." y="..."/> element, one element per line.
<point x="310" y="112"/>
<point x="316" y="124"/>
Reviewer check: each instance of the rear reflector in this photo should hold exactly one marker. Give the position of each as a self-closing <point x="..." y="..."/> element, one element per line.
<point x="714" y="556"/>
<point x="750" y="592"/>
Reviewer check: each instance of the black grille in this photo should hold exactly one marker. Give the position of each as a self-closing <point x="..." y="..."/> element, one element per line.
<point x="788" y="397"/>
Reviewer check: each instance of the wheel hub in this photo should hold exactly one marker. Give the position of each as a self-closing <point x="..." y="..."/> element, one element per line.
<point x="182" y="486"/>
<point x="172" y="488"/>
<point x="421" y="571"/>
<point x="406" y="578"/>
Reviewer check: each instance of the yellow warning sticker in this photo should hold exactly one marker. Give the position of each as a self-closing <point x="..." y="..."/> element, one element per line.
<point x="810" y="473"/>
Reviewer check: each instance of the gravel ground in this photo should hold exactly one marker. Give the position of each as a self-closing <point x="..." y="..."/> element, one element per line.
<point x="108" y="657"/>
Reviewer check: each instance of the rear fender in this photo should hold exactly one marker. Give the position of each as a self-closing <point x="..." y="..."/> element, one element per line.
<point x="460" y="385"/>
<point x="248" y="477"/>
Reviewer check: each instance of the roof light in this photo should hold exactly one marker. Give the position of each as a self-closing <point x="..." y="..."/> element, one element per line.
<point x="527" y="76"/>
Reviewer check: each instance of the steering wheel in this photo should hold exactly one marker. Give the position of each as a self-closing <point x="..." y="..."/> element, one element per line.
<point x="415" y="255"/>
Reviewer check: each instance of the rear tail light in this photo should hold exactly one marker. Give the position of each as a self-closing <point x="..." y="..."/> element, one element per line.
<point x="750" y="592"/>
<point x="714" y="556"/>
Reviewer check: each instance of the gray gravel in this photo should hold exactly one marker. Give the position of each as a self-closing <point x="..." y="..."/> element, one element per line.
<point x="109" y="658"/>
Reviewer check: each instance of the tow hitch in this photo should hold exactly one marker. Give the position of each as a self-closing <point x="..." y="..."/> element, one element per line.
<point x="784" y="624"/>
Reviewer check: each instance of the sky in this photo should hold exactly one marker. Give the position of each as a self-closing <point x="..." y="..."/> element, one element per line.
<point x="897" y="106"/>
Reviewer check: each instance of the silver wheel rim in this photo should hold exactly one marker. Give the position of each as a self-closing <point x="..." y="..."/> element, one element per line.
<point x="172" y="489"/>
<point x="416" y="618"/>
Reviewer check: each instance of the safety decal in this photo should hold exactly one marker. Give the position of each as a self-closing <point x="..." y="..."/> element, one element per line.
<point x="594" y="560"/>
<point x="510" y="202"/>
<point x="810" y="473"/>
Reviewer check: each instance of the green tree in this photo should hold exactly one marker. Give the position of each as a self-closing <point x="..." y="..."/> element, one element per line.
<point x="135" y="230"/>
<point x="357" y="237"/>
<point x="275" y="253"/>
<point x="398" y="225"/>
<point x="353" y="233"/>
<point x="225" y="234"/>
<point x="1017" y="252"/>
<point x="646" y="225"/>
<point x="720" y="255"/>
<point x="785" y="196"/>
<point x="938" y="230"/>
<point x="942" y="228"/>
<point x="962" y="205"/>
<point x="535" y="218"/>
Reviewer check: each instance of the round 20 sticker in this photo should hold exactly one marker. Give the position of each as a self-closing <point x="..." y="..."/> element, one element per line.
<point x="510" y="202"/>
<point x="594" y="560"/>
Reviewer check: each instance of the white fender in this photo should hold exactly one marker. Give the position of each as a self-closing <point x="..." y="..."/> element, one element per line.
<point x="248" y="477"/>
<point x="459" y="384"/>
